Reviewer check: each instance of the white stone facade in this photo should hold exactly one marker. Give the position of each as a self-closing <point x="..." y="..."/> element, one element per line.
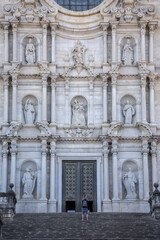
<point x="80" y="86"/>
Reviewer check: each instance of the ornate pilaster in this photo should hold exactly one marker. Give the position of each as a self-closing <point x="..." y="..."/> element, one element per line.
<point x="6" y="84"/>
<point x="44" y="150"/>
<point x="114" y="46"/>
<point x="105" y="51"/>
<point x="145" y="151"/>
<point x="44" y="43"/>
<point x="115" y="168"/>
<point x="53" y="171"/>
<point x="53" y="35"/>
<point x="105" y="97"/>
<point x="114" y="75"/>
<point x="53" y="100"/>
<point x="13" y="152"/>
<point x="91" y="105"/>
<point x="4" y="165"/>
<point x="105" y="171"/>
<point x="143" y="25"/>
<point x="14" y="30"/>
<point x="154" y="162"/>
<point x="152" y="27"/>
<point x="44" y="97"/>
<point x="67" y="83"/>
<point x="14" y="74"/>
<point x="6" y="41"/>
<point x="143" y="72"/>
<point x="152" y="78"/>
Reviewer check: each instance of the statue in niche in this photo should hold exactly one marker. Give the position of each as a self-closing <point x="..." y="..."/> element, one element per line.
<point x="30" y="52"/>
<point x="29" y="112"/>
<point x="128" y="112"/>
<point x="78" y="118"/>
<point x="129" y="181"/>
<point x="78" y="53"/>
<point x="128" y="54"/>
<point x="28" y="182"/>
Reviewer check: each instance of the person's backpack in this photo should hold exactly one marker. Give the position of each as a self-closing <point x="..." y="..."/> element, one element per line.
<point x="84" y="203"/>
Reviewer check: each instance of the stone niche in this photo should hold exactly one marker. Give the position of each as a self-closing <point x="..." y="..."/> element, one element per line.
<point x="28" y="180"/>
<point x="128" y="51"/>
<point x="129" y="180"/>
<point x="79" y="112"/>
<point x="30" y="110"/>
<point x="128" y="110"/>
<point x="29" y="51"/>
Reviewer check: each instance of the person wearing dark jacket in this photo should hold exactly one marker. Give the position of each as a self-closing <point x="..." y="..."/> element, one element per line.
<point x="85" y="207"/>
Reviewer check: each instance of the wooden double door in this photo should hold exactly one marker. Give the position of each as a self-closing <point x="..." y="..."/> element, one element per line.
<point x="79" y="180"/>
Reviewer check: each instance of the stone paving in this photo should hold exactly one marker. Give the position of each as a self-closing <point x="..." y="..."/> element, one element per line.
<point x="69" y="226"/>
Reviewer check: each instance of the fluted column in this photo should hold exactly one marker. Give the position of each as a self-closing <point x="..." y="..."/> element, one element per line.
<point x="152" y="78"/>
<point x="53" y="99"/>
<point x="53" y="36"/>
<point x="152" y="27"/>
<point x="115" y="168"/>
<point x="114" y="98"/>
<point x="145" y="151"/>
<point x="143" y="40"/>
<point x="143" y="98"/>
<point x="14" y="97"/>
<point x="53" y="171"/>
<point x="44" y="43"/>
<point x="105" y="98"/>
<point x="105" y="52"/>
<point x="91" y="105"/>
<point x="13" y="152"/>
<point x="6" y="84"/>
<point x="114" y="44"/>
<point x="14" y="30"/>
<point x="44" y="97"/>
<point x="67" y="101"/>
<point x="43" y="169"/>
<point x="4" y="166"/>
<point x="106" y="171"/>
<point x="6" y="42"/>
<point x="154" y="162"/>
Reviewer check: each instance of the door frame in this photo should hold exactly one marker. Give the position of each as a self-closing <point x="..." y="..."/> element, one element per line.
<point x="83" y="157"/>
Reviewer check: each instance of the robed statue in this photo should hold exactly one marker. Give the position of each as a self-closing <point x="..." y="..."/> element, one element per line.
<point x="78" y="117"/>
<point x="30" y="52"/>
<point x="28" y="182"/>
<point x="129" y="181"/>
<point x="128" y="54"/>
<point x="128" y="112"/>
<point x="29" y="112"/>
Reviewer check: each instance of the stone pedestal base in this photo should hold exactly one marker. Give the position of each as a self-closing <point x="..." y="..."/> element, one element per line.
<point x="52" y="206"/>
<point x="31" y="206"/>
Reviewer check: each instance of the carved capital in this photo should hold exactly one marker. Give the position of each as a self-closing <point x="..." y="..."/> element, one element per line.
<point x="152" y="26"/>
<point x="145" y="149"/>
<point x="5" y="149"/>
<point x="44" y="27"/>
<point x="6" y="80"/>
<point x="13" y="149"/>
<point x="114" y="146"/>
<point x="54" y="26"/>
<point x="14" y="27"/>
<point x="52" y="148"/>
<point x="44" y="148"/>
<point x="143" y="25"/>
<point x="154" y="148"/>
<point x="105" y="149"/>
<point x="152" y="78"/>
<point x="104" y="26"/>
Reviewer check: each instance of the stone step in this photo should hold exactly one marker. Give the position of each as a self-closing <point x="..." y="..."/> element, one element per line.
<point x="124" y="226"/>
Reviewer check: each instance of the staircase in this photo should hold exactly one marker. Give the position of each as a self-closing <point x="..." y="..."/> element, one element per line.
<point x="69" y="226"/>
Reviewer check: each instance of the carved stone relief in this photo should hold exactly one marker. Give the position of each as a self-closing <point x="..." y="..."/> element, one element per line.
<point x="29" y="105"/>
<point x="129" y="180"/>
<point x="79" y="112"/>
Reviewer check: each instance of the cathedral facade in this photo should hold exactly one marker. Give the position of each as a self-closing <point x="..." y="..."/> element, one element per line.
<point x="80" y="103"/>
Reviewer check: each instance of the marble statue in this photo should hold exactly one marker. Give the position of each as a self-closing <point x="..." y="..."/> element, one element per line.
<point x="78" y="118"/>
<point x="129" y="181"/>
<point x="78" y="53"/>
<point x="30" y="53"/>
<point x="29" y="112"/>
<point x="128" y="112"/>
<point x="28" y="181"/>
<point x="128" y="54"/>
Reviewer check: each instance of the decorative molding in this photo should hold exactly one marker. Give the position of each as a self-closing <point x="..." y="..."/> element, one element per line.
<point x="114" y="129"/>
<point x="13" y="129"/>
<point x="79" y="132"/>
<point x="43" y="127"/>
<point x="145" y="129"/>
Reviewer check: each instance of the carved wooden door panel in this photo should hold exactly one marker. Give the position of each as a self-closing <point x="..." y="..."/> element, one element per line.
<point x="79" y="179"/>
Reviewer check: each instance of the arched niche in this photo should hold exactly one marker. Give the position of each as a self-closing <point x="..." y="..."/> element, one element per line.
<point x="130" y="187"/>
<point x="79" y="112"/>
<point x="128" y="51"/>
<point x="30" y="39"/>
<point x="128" y="102"/>
<point x="30" y="168"/>
<point x="30" y="109"/>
